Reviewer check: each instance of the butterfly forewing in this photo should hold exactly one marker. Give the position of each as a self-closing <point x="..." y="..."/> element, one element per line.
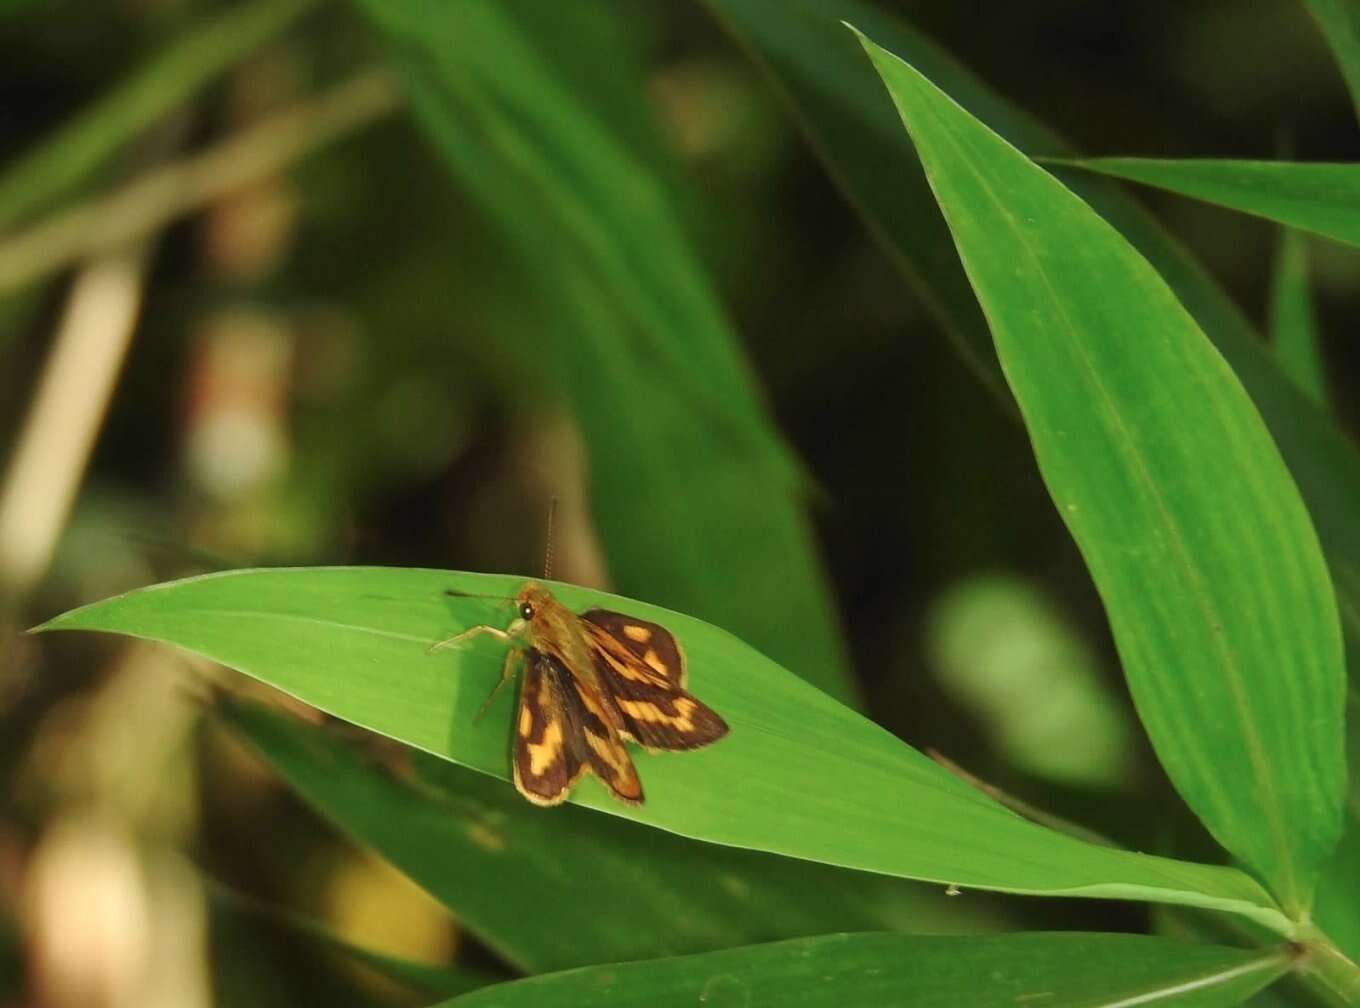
<point x="651" y="644"/>
<point x="642" y="675"/>
<point x="605" y="751"/>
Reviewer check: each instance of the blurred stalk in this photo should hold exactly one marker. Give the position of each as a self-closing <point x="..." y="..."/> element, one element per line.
<point x="163" y="194"/>
<point x="113" y="916"/>
<point x="1294" y="331"/>
<point x="75" y="150"/>
<point x="58" y="433"/>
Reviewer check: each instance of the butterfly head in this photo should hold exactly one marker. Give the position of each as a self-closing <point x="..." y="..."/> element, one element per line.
<point x="532" y="600"/>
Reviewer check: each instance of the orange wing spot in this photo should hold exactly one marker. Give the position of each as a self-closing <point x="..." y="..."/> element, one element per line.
<point x="526" y="722"/>
<point x="543" y="754"/>
<point x="654" y="661"/>
<point x="640" y="710"/>
<point x="637" y="633"/>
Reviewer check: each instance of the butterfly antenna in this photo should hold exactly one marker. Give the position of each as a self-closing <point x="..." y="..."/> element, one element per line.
<point x="548" y="545"/>
<point x="455" y="593"/>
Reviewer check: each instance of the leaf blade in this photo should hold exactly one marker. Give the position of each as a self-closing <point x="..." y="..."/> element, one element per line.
<point x="850" y="122"/>
<point x="643" y="349"/>
<point x="1071" y="970"/>
<point x="497" y="862"/>
<point x="1137" y="423"/>
<point x="1339" y="21"/>
<point x="814" y="773"/>
<point x="1312" y="196"/>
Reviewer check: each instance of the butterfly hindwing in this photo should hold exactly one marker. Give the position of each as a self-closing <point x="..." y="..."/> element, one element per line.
<point x="564" y="729"/>
<point x="642" y="674"/>
<point x="547" y="761"/>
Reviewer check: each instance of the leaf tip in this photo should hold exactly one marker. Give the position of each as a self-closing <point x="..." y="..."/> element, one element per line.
<point x="869" y="44"/>
<point x="53" y="624"/>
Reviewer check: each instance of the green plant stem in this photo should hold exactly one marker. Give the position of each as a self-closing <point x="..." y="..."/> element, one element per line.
<point x="1331" y="968"/>
<point x="66" y="158"/>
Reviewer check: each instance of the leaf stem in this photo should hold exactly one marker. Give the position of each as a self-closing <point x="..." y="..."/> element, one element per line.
<point x="1330" y="967"/>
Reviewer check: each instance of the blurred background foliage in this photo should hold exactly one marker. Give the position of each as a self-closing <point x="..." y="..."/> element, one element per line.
<point x="361" y="323"/>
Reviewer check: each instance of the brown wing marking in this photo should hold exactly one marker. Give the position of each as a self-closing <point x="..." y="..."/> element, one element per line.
<point x="654" y="647"/>
<point x="654" y="708"/>
<point x="546" y="757"/>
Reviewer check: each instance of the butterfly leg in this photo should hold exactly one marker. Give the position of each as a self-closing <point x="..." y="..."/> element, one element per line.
<point x="514" y="658"/>
<point x="468" y="634"/>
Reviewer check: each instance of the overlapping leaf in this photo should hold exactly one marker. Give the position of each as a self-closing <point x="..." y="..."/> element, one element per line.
<point x="1056" y="970"/>
<point x="550" y="148"/>
<point x="853" y="126"/>
<point x="1322" y="198"/>
<point x="1339" y="21"/>
<point x="1194" y="532"/>
<point x="518" y="877"/>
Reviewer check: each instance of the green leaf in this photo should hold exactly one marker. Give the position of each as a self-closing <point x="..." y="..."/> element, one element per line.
<point x="853" y="126"/>
<point x="641" y="344"/>
<point x="799" y="775"/>
<point x="1338" y="909"/>
<point x="1340" y="24"/>
<point x="1066" y="970"/>
<point x="1293" y="325"/>
<point x="1220" y="604"/>
<point x="443" y="981"/>
<point x="80" y="147"/>
<point x="500" y="864"/>
<point x="1317" y="197"/>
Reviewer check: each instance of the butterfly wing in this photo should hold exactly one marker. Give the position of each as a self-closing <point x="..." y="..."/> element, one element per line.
<point x="604" y="750"/>
<point x="562" y="729"/>
<point x="658" y="654"/>
<point x="643" y="673"/>
<point x="546" y="759"/>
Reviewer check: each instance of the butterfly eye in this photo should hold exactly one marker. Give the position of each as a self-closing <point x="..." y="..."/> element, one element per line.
<point x="526" y="611"/>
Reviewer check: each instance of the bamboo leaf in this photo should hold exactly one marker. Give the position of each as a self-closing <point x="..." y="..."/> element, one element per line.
<point x="642" y="347"/>
<point x="816" y="780"/>
<point x="1071" y="970"/>
<point x="518" y="876"/>
<point x="1338" y="910"/>
<point x="851" y="123"/>
<point x="1340" y="24"/>
<point x="1316" y="197"/>
<point x="1221" y="607"/>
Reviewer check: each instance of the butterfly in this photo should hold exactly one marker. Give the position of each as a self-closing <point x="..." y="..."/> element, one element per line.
<point x="591" y="681"/>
